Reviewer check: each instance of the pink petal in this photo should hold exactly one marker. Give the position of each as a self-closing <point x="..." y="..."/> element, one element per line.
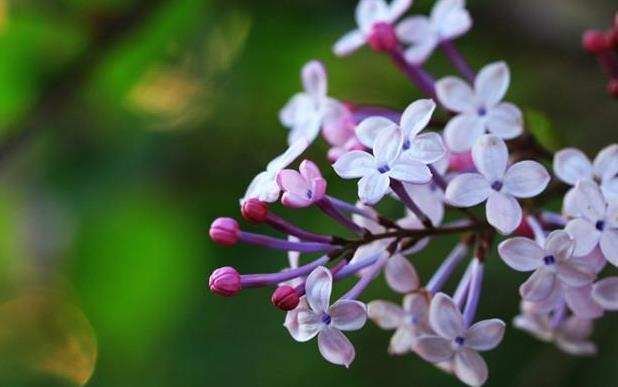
<point x="309" y="170"/>
<point x="485" y="335"/>
<point x="445" y="317"/>
<point x="470" y="367"/>
<point x="385" y="314"/>
<point x="400" y="274"/>
<point x="521" y="254"/>
<point x="503" y="212"/>
<point x="348" y="315"/>
<point x="571" y="165"/>
<point x="433" y="349"/>
<point x="526" y="179"/>
<point x="467" y="190"/>
<point x="492" y="82"/>
<point x="335" y="347"/>
<point x="318" y="288"/>
<point x="292" y="181"/>
<point x="318" y="188"/>
<point x="295" y="201"/>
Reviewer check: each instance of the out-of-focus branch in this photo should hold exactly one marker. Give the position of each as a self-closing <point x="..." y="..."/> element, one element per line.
<point x="58" y="94"/>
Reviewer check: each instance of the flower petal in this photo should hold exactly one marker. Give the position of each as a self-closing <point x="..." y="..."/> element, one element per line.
<point x="355" y="164"/>
<point x="521" y="254"/>
<point x="560" y="244"/>
<point x="505" y="120"/>
<point x="572" y="165"/>
<point x="292" y="181"/>
<point x="263" y="187"/>
<point x="576" y="347"/>
<point x="581" y="302"/>
<point x="295" y="110"/>
<point x="605" y="292"/>
<point x="387" y="146"/>
<point x="369" y="128"/>
<point x="285" y="159"/>
<point x="609" y="245"/>
<point x="606" y="163"/>
<point x="417" y="305"/>
<point x="373" y="187"/>
<point x="427" y="148"/>
<point x="294" y="200"/>
<point x="485" y="335"/>
<point x="418" y="32"/>
<point x="318" y="288"/>
<point x="385" y="314"/>
<point x="410" y="171"/>
<point x="314" y="79"/>
<point x="451" y="18"/>
<point x="400" y="274"/>
<point x="462" y="131"/>
<point x="402" y="341"/>
<point x="445" y="317"/>
<point x="467" y="190"/>
<point x="370" y="11"/>
<point x="397" y="8"/>
<point x="470" y="367"/>
<point x="503" y="212"/>
<point x="492" y="82"/>
<point x="309" y="170"/>
<point x="309" y="323"/>
<point x="433" y="349"/>
<point x="455" y="95"/>
<point x="526" y="179"/>
<point x="348" y="315"/>
<point x="572" y="275"/>
<point x="539" y="286"/>
<point x="416" y="117"/>
<point x="335" y="347"/>
<point x="490" y="156"/>
<point x="585" y="234"/>
<point x="590" y="200"/>
<point x="349" y="43"/>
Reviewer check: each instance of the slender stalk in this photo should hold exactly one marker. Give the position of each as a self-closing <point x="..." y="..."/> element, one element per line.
<point x="447" y="267"/>
<point x="474" y="292"/>
<point x="415" y="73"/>
<point x="331" y="210"/>
<point x="271" y="279"/>
<point x="278" y="223"/>
<point x="282" y="244"/>
<point x="458" y="60"/>
<point x="366" y="279"/>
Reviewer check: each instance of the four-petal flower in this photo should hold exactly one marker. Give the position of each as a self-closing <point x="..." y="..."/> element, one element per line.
<point x="301" y="189"/>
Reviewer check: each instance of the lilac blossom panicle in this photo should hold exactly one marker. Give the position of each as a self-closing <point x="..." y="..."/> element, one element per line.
<point x="459" y="151"/>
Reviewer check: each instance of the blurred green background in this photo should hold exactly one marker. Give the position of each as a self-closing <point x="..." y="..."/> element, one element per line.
<point x="127" y="126"/>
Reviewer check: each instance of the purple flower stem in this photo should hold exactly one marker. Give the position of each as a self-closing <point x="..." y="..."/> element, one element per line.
<point x="474" y="292"/>
<point x="282" y="244"/>
<point x="360" y="112"/>
<point x="355" y="267"/>
<point x="401" y="192"/>
<point x="461" y="291"/>
<point x="438" y="179"/>
<point x="329" y="209"/>
<point x="415" y="73"/>
<point x="553" y="218"/>
<point x="446" y="268"/>
<point x="458" y="60"/>
<point x="300" y="289"/>
<point x="271" y="279"/>
<point x="366" y="279"/>
<point x="349" y="207"/>
<point x="278" y="223"/>
<point x="537" y="230"/>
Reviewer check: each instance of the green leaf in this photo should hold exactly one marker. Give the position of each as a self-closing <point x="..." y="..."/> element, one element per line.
<point x="539" y="125"/>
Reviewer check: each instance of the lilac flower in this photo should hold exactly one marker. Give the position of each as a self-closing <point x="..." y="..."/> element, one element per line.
<point x="497" y="184"/>
<point x="598" y="225"/>
<point x="306" y="112"/>
<point x="409" y="320"/>
<point x="264" y="186"/>
<point x="426" y="148"/>
<point x="372" y="16"/>
<point x="304" y="188"/>
<point x="605" y="292"/>
<point x="429" y="197"/>
<point x="551" y="264"/>
<point x="448" y="20"/>
<point x="454" y="342"/>
<point x="316" y="317"/>
<point x="377" y="170"/>
<point x="479" y="110"/>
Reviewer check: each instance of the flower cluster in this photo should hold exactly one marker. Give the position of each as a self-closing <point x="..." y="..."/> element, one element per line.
<point x="604" y="45"/>
<point x="461" y="149"/>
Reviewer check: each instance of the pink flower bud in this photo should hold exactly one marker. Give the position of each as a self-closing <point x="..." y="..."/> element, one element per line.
<point x="460" y="162"/>
<point x="383" y="37"/>
<point x="224" y="231"/>
<point x="285" y="298"/>
<point x="612" y="87"/>
<point x="594" y="42"/>
<point x="225" y="281"/>
<point x="254" y="210"/>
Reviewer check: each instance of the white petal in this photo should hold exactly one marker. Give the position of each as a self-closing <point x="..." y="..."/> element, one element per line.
<point x="581" y="302"/>
<point x="314" y="79"/>
<point x="348" y="315"/>
<point x="485" y="335"/>
<point x="397" y="8"/>
<point x="418" y="32"/>
<point x="355" y="164"/>
<point x="455" y="94"/>
<point x="490" y="156"/>
<point x="402" y="340"/>
<point x="470" y="367"/>
<point x="605" y="292"/>
<point x="503" y="212"/>
<point x="410" y="171"/>
<point x="427" y="148"/>
<point x="416" y="117"/>
<point x="572" y="275"/>
<point x="539" y="286"/>
<point x="505" y="120"/>
<point x="467" y="190"/>
<point x="606" y="162"/>
<point x="263" y="187"/>
<point x="560" y="244"/>
<point x="609" y="186"/>
<point x="285" y="159"/>
<point x="373" y="187"/>
<point x="585" y="234"/>
<point x="369" y="128"/>
<point x="521" y="254"/>
<point x="309" y="323"/>
<point x="387" y="146"/>
<point x="430" y="201"/>
<point x="609" y="245"/>
<point x="590" y="200"/>
<point x="335" y="347"/>
<point x="492" y="82"/>
<point x="349" y="43"/>
<point x="307" y="129"/>
<point x="433" y="349"/>
<point x="292" y="325"/>
<point x="462" y="131"/>
<point x="445" y="317"/>
<point x="400" y="274"/>
<point x="570" y="207"/>
<point x="526" y="179"/>
<point x="318" y="288"/>
<point x="385" y="314"/>
<point x="571" y="165"/>
<point x="370" y="11"/>
<point x="295" y="109"/>
<point x="417" y="304"/>
<point x="451" y="18"/>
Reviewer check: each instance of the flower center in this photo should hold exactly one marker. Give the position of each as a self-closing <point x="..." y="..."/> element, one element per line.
<point x="459" y="340"/>
<point x="309" y="194"/>
<point x="406" y="145"/>
<point x="482" y="112"/>
<point x="497" y="185"/>
<point x="383" y="169"/>
<point x="549" y="260"/>
<point x="326" y="319"/>
<point x="600" y="225"/>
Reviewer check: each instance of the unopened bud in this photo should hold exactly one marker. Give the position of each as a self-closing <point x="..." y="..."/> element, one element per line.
<point x="254" y="210"/>
<point x="383" y="37"/>
<point x="285" y="298"/>
<point x="224" y="231"/>
<point x="460" y="162"/>
<point x="594" y="42"/>
<point x="224" y="281"/>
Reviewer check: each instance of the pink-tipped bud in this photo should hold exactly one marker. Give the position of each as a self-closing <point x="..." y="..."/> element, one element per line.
<point x="460" y="162"/>
<point x="224" y="231"/>
<point x="225" y="281"/>
<point x="254" y="210"/>
<point x="285" y="298"/>
<point x="612" y="87"/>
<point x="383" y="37"/>
<point x="594" y="42"/>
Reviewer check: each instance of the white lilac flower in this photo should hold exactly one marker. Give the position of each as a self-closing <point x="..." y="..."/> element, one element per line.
<point x="572" y="165"/>
<point x="571" y="335"/>
<point x="264" y="186"/>
<point x="497" y="184"/>
<point x="409" y="320"/>
<point x="551" y="264"/>
<point x="377" y="170"/>
<point x="448" y="20"/>
<point x="598" y="225"/>
<point x="479" y="109"/>
<point x="426" y="148"/>
<point x="454" y="342"/>
<point x="370" y="14"/>
<point x="306" y="112"/>
<point x="605" y="292"/>
<point x="316" y="317"/>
